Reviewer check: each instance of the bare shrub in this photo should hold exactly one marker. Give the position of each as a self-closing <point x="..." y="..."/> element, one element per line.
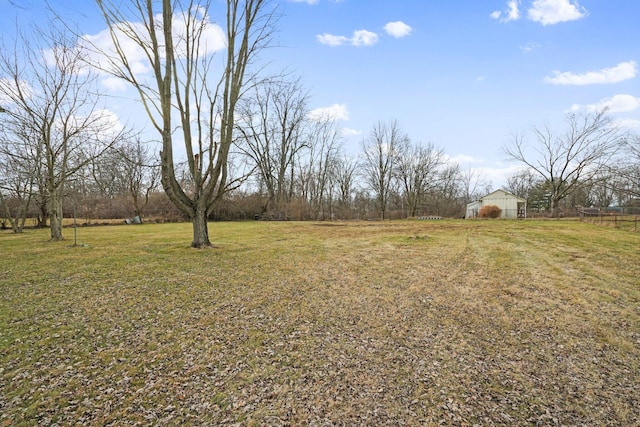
<point x="490" y="211"/>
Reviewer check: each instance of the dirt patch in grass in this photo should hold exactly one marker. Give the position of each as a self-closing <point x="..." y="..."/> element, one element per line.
<point x="394" y="323"/>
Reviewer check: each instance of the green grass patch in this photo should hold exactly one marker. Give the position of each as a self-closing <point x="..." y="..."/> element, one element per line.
<point x="355" y="323"/>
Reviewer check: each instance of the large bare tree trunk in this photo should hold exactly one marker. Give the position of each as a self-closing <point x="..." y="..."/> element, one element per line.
<point x="555" y="207"/>
<point x="182" y="87"/>
<point x="55" y="215"/>
<point x="200" y="228"/>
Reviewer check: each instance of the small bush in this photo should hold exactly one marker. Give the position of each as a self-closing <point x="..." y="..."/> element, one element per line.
<point x="490" y="211"/>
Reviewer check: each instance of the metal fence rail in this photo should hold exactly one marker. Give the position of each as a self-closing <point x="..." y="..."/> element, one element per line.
<point x="627" y="222"/>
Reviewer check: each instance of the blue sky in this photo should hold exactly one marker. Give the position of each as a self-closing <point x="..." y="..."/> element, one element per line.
<point x="461" y="74"/>
<point x="467" y="74"/>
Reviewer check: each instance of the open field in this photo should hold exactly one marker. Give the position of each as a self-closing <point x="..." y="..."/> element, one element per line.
<point x="364" y="323"/>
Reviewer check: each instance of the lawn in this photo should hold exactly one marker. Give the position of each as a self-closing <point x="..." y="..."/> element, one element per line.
<point x="292" y="323"/>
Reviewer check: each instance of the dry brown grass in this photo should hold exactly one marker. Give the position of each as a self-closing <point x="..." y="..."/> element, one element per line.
<point x="367" y="323"/>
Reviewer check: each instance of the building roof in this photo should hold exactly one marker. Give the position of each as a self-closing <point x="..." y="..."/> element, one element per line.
<point x="504" y="193"/>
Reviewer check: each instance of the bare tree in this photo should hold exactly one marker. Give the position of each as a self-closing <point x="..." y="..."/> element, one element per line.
<point x="272" y="125"/>
<point x="129" y="169"/>
<point x="417" y="171"/>
<point x="521" y="183"/>
<point x="56" y="119"/>
<point x="625" y="172"/>
<point x="175" y="38"/>
<point x="474" y="184"/>
<point x="140" y="173"/>
<point x="344" y="179"/>
<point x="17" y="182"/>
<point x="571" y="158"/>
<point x="103" y="177"/>
<point x="600" y="190"/>
<point x="19" y="169"/>
<point x="380" y="153"/>
<point x="448" y="198"/>
<point x="317" y="172"/>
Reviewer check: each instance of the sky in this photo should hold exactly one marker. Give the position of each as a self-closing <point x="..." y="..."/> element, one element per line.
<point x="464" y="75"/>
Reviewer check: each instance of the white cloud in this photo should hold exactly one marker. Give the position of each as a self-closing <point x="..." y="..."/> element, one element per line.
<point x="623" y="71"/>
<point x="621" y="103"/>
<point x="511" y="14"/>
<point x="332" y="40"/>
<point x="364" y="38"/>
<point x="549" y="12"/>
<point x="115" y="84"/>
<point x="545" y="12"/>
<point x="333" y="112"/>
<point x="398" y="29"/>
<point x="359" y="38"/>
<point x="616" y="104"/>
<point x="463" y="159"/>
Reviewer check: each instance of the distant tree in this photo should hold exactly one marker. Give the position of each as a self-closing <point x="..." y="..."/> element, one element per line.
<point x="18" y="176"/>
<point x="573" y="157"/>
<point x="448" y="198"/>
<point x="345" y="169"/>
<point x="272" y="125"/>
<point x="380" y="154"/>
<point x="474" y="184"/>
<point x="18" y="171"/>
<point x="600" y="191"/>
<point x="626" y="172"/>
<point x="521" y="183"/>
<point x="103" y="177"/>
<point x="417" y="170"/>
<point x="187" y="84"/>
<point x="540" y="196"/>
<point x="140" y="173"/>
<point x="318" y="167"/>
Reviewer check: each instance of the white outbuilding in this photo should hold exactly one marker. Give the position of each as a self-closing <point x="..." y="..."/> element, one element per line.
<point x="511" y="205"/>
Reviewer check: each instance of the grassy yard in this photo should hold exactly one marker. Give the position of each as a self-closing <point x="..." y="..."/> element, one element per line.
<point x="364" y="323"/>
